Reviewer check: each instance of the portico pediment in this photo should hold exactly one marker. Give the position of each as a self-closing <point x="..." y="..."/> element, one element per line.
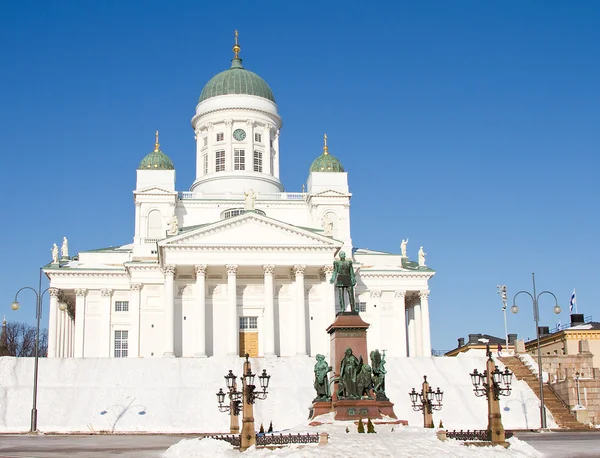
<point x="154" y="190"/>
<point x="331" y="193"/>
<point x="250" y="230"/>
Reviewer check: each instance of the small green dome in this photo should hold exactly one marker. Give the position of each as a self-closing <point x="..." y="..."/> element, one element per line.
<point x="236" y="80"/>
<point x="326" y="162"/>
<point x="156" y="160"/>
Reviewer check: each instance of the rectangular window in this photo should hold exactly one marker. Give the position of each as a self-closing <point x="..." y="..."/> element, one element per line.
<point x="258" y="138"/>
<point x="220" y="136"/>
<point x="121" y="306"/>
<point x="248" y="323"/>
<point x="239" y="159"/>
<point x="205" y="163"/>
<point x="257" y="161"/>
<point x="219" y="161"/>
<point x="362" y="306"/>
<point x="121" y="344"/>
<point x="205" y="139"/>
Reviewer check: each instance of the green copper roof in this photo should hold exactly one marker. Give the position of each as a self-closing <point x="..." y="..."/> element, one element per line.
<point x="156" y="160"/>
<point x="236" y="80"/>
<point x="326" y="163"/>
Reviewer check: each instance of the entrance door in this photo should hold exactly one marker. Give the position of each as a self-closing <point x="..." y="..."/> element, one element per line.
<point x="249" y="336"/>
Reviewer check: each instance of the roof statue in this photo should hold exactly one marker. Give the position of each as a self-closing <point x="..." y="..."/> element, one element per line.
<point x="249" y="199"/>
<point x="403" y="247"/>
<point x="173" y="226"/>
<point x="421" y="257"/>
<point x="64" y="250"/>
<point x="54" y="253"/>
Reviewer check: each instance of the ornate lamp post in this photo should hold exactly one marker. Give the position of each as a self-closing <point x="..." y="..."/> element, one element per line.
<point x="38" y="315"/>
<point x="536" y="316"/>
<point x="492" y="384"/>
<point x="247" y="397"/>
<point x="424" y="401"/>
<point x="577" y="377"/>
<point x="235" y="403"/>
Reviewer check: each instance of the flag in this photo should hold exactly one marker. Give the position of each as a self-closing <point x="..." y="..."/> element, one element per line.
<point x="573" y="301"/>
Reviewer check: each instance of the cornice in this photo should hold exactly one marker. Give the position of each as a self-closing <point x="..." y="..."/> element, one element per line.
<point x="88" y="273"/>
<point x="290" y="248"/>
<point x="365" y="274"/>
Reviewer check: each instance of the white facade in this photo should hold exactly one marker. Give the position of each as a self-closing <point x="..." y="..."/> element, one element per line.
<point x="236" y="264"/>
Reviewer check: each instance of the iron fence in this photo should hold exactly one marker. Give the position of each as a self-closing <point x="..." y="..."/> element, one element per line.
<point x="475" y="435"/>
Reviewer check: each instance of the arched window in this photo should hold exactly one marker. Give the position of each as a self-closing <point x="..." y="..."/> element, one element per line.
<point x="155" y="225"/>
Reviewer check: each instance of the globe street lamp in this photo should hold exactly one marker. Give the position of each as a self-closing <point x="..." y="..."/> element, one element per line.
<point x="492" y="384"/>
<point x="424" y="401"/>
<point x="247" y="397"/>
<point x="536" y="316"/>
<point x="235" y="402"/>
<point x="38" y="315"/>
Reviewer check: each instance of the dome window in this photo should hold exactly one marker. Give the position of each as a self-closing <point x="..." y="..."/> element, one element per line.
<point x="258" y="138"/>
<point x="239" y="159"/>
<point x="219" y="161"/>
<point x="220" y="137"/>
<point x="258" y="165"/>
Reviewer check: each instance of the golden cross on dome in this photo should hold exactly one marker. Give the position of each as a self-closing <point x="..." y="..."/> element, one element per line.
<point x="236" y="46"/>
<point x="325" y="149"/>
<point x="156" y="144"/>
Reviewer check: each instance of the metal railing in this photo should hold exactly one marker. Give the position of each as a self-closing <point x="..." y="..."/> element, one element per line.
<point x="562" y="327"/>
<point x="475" y="435"/>
<point x="270" y="439"/>
<point x="239" y="196"/>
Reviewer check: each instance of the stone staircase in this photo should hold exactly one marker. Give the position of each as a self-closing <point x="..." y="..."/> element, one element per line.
<point x="561" y="413"/>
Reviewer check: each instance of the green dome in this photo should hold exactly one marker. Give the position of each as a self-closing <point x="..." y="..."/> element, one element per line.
<point x="236" y="80"/>
<point x="326" y="162"/>
<point x="156" y="160"/>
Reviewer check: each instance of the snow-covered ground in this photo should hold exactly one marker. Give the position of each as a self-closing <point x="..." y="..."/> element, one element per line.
<point x="178" y="394"/>
<point x="389" y="441"/>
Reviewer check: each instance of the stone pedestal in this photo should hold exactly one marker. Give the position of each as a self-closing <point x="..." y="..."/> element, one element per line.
<point x="347" y="331"/>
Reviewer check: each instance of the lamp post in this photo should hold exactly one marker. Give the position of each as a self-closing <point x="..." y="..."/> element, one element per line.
<point x="248" y="396"/>
<point x="492" y="384"/>
<point x="235" y="403"/>
<point x="502" y="292"/>
<point x="38" y="315"/>
<point x="536" y="316"/>
<point x="424" y="401"/>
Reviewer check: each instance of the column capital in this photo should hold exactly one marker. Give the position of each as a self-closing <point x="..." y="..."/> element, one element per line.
<point x="268" y="269"/>
<point x="376" y="293"/>
<point x="250" y="123"/>
<point x="200" y="269"/>
<point x="298" y="269"/>
<point x="210" y="126"/>
<point x="424" y="294"/>
<point x="400" y="293"/>
<point x="105" y="292"/>
<point x="53" y="292"/>
<point x="268" y="127"/>
<point x="327" y="269"/>
<point x="231" y="269"/>
<point x="229" y="122"/>
<point x="80" y="292"/>
<point x="135" y="286"/>
<point x="169" y="269"/>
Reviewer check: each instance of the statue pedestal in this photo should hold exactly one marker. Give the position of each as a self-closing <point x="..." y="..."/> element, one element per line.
<point x="354" y="409"/>
<point x="320" y="408"/>
<point x="347" y="331"/>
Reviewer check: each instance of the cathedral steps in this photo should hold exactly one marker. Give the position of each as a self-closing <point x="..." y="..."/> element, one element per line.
<point x="562" y="415"/>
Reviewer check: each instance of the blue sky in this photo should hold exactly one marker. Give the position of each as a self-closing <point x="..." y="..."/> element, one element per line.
<point x="469" y="127"/>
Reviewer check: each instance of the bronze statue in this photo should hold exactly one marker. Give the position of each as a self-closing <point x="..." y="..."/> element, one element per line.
<point x="364" y="381"/>
<point x="343" y="276"/>
<point x="349" y="368"/>
<point x="378" y="366"/>
<point x="321" y="381"/>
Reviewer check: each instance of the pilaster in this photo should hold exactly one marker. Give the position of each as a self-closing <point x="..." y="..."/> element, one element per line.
<point x="52" y="323"/>
<point x="233" y="329"/>
<point x="169" y="272"/>
<point x="400" y="322"/>
<point x="298" y="272"/>
<point x="80" y="294"/>
<point x="201" y="314"/>
<point x="134" y="310"/>
<point x="269" y="322"/>
<point x="106" y="312"/>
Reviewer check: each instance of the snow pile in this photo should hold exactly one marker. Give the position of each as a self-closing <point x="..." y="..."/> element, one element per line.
<point x="178" y="394"/>
<point x="389" y="441"/>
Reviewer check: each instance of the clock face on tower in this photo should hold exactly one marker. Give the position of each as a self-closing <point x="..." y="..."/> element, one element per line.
<point x="239" y="134"/>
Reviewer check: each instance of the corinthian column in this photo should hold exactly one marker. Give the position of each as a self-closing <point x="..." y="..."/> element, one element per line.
<point x="105" y="333"/>
<point x="134" y="309"/>
<point x="400" y="321"/>
<point x="169" y="311"/>
<point x="418" y="329"/>
<point x="298" y="271"/>
<point x="201" y="305"/>
<point x="327" y="271"/>
<point x="269" y="313"/>
<point x="232" y="319"/>
<point x="80" y="294"/>
<point x="53" y="319"/>
<point x="426" y="332"/>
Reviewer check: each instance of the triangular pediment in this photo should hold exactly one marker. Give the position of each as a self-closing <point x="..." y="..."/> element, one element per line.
<point x="154" y="190"/>
<point x="331" y="193"/>
<point x="250" y="229"/>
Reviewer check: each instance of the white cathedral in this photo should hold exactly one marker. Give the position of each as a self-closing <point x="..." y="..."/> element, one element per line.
<point x="236" y="264"/>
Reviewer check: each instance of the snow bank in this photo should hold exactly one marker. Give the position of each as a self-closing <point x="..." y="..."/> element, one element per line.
<point x="178" y="394"/>
<point x="399" y="442"/>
